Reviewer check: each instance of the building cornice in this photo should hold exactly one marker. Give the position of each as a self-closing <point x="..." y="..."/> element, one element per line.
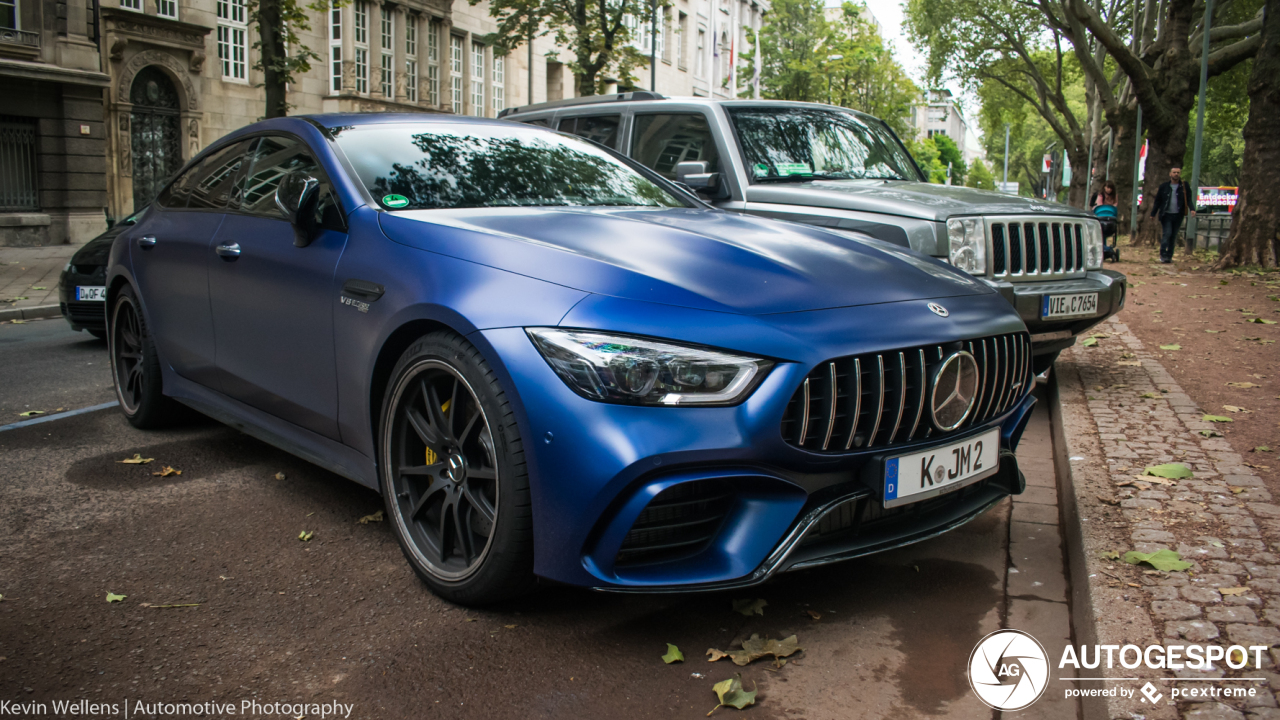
<point x="52" y="73"/>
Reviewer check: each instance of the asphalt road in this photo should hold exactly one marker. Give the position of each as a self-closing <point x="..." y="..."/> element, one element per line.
<point x="342" y="617"/>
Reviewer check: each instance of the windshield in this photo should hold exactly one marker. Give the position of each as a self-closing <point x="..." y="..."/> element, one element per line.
<point x="441" y="166"/>
<point x="790" y="144"/>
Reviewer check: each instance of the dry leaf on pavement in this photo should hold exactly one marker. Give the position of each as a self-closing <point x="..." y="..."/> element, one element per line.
<point x="731" y="694"/>
<point x="750" y="607"/>
<point x="137" y="459"/>
<point x="376" y="517"/>
<point x="755" y="648"/>
<point x="166" y="471"/>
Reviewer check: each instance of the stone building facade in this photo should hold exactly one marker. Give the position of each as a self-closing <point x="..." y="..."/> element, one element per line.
<point x="52" y="136"/>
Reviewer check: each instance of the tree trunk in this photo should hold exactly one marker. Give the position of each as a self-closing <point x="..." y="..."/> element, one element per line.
<point x="273" y="58"/>
<point x="1077" y="191"/>
<point x="1255" y="223"/>
<point x="1122" y="166"/>
<point x="586" y="83"/>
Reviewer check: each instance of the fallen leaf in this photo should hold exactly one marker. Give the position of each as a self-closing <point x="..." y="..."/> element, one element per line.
<point x="305" y="536"/>
<point x="1111" y="555"/>
<point x="1262" y="448"/>
<point x="1171" y="347"/>
<point x="166" y="471"/>
<point x="17" y="322"/>
<point x="1233" y="590"/>
<point x="1261" y="321"/>
<point x="510" y="627"/>
<point x="39" y="287"/>
<point x="755" y="648"/>
<point x="1089" y="342"/>
<point x="112" y="597"/>
<point x="814" y="614"/>
<point x="1216" y="543"/>
<point x="30" y="413"/>
<point x="1234" y="408"/>
<point x="1243" y="385"/>
<point x="731" y="694"/>
<point x="1127" y="355"/>
<point x="1213" y="332"/>
<point x="750" y="607"/>
<point x="1237" y="491"/>
<point x="279" y="476"/>
<point x="1166" y="560"/>
<point x="1149" y="395"/>
<point x="137" y="459"/>
<point x="1169" y="470"/>
<point x="376" y="517"/>
<point x="1210" y="433"/>
<point x="673" y="655"/>
<point x="1216" y="419"/>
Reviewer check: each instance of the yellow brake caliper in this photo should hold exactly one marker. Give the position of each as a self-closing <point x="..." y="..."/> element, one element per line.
<point x="431" y="456"/>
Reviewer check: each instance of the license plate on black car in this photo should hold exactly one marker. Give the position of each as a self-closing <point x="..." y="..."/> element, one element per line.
<point x="941" y="469"/>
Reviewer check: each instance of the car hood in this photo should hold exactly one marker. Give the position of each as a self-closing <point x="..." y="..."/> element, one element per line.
<point x="925" y="201"/>
<point x="705" y="259"/>
<point x="95" y="251"/>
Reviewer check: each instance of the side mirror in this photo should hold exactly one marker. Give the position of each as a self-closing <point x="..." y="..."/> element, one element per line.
<point x="296" y="196"/>
<point x="694" y="175"/>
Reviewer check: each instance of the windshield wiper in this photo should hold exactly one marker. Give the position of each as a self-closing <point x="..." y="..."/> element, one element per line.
<point x="801" y="178"/>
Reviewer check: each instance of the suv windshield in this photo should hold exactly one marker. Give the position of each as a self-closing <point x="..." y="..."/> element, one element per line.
<point x="441" y="166"/>
<point x="791" y="144"/>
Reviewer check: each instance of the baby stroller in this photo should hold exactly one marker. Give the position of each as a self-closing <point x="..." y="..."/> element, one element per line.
<point x="1107" y="215"/>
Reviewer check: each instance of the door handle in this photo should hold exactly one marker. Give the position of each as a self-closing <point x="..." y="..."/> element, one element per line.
<point x="147" y="242"/>
<point x="229" y="251"/>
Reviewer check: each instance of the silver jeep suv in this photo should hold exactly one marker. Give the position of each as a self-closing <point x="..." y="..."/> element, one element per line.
<point x="845" y="170"/>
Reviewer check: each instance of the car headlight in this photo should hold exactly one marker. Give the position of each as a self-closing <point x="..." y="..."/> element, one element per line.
<point x="1092" y="245"/>
<point x="67" y="267"/>
<point x="968" y="243"/>
<point x="641" y="371"/>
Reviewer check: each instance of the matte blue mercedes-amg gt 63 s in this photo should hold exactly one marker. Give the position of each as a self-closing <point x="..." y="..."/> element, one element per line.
<point x="553" y="363"/>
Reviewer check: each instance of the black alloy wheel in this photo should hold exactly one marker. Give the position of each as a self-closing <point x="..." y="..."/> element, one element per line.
<point x="457" y="501"/>
<point x="135" y="365"/>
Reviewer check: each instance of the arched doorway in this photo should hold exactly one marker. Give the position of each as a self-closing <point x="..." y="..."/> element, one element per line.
<point x="154" y="133"/>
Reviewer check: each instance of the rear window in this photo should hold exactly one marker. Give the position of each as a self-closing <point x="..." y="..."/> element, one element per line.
<point x="441" y="166"/>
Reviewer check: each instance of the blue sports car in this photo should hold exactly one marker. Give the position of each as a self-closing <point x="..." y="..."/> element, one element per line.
<point x="553" y="363"/>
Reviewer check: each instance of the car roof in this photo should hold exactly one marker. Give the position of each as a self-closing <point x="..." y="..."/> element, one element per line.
<point x="332" y="120"/>
<point x="646" y="99"/>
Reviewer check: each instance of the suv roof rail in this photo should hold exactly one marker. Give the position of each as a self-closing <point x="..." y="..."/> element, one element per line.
<point x="588" y="100"/>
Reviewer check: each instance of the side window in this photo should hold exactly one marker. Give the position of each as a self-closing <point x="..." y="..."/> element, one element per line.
<point x="208" y="184"/>
<point x="539" y="123"/>
<point x="273" y="158"/>
<point x="659" y="142"/>
<point x="602" y="129"/>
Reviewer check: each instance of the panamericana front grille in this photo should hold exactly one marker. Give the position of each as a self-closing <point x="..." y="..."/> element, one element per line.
<point x="882" y="399"/>
<point x="676" y="524"/>
<point x="1036" y="247"/>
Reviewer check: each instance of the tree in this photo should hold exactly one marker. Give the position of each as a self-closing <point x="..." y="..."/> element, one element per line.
<point x="980" y="177"/>
<point x="1164" y="72"/>
<point x="925" y="153"/>
<point x="790" y="43"/>
<point x="949" y="154"/>
<point x="862" y="73"/>
<point x="596" y="32"/>
<point x="281" y="52"/>
<point x="1255" y="227"/>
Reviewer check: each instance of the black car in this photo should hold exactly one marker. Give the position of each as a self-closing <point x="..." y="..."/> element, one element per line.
<point x="82" y="291"/>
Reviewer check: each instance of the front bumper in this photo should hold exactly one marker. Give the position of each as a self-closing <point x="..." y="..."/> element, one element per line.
<point x="770" y="507"/>
<point x="1049" y="336"/>
<point x="81" y="315"/>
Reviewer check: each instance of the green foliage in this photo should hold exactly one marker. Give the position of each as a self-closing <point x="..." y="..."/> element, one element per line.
<point x="980" y="177"/>
<point x="594" y="32"/>
<point x="843" y="61"/>
<point x="1226" y="110"/>
<point x="282" y="55"/>
<point x="926" y="155"/>
<point x="949" y="153"/>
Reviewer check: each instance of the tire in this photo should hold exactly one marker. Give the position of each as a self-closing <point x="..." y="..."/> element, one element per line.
<point x="1040" y="363"/>
<point x="100" y="334"/>
<point x="135" y="366"/>
<point x="462" y="513"/>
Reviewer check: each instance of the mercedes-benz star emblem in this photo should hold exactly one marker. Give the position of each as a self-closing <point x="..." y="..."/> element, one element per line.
<point x="955" y="389"/>
<point x="938" y="310"/>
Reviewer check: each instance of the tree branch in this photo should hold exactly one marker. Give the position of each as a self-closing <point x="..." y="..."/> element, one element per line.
<point x="1228" y="57"/>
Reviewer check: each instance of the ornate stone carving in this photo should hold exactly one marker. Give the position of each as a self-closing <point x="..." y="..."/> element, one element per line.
<point x="197" y="61"/>
<point x="117" y="48"/>
<point x="193" y="136"/>
<point x="125" y="146"/>
<point x="177" y="70"/>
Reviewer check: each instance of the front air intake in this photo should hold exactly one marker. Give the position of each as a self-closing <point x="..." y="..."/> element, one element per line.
<point x="678" y="523"/>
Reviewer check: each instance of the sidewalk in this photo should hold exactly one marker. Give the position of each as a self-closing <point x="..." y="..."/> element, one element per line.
<point x="29" y="280"/>
<point x="1123" y="412"/>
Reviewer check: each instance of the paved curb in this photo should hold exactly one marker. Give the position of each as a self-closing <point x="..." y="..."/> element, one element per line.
<point x="31" y="313"/>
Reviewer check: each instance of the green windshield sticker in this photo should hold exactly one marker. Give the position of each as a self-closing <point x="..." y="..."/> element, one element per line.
<point x="761" y="169"/>
<point x="395" y="201"/>
<point x="785" y="169"/>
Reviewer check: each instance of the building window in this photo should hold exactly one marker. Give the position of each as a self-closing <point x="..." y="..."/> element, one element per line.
<point x="411" y="58"/>
<point x="499" y="84"/>
<point x="682" y="35"/>
<point x="233" y="35"/>
<point x="477" y="79"/>
<point x="362" y="47"/>
<point x="388" y="78"/>
<point x="433" y="63"/>
<point x="455" y="73"/>
<point x="700" y="59"/>
<point x="18" y="189"/>
<point x="665" y="39"/>
<point x="335" y="51"/>
<point x="9" y="14"/>
<point x="167" y="8"/>
<point x="128" y="5"/>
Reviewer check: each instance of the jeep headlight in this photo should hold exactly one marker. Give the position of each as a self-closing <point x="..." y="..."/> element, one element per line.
<point x="968" y="243"/>
<point x="1092" y="245"/>
<point x="643" y="371"/>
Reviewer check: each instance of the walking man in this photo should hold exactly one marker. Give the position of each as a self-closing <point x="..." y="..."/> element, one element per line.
<point x="1173" y="200"/>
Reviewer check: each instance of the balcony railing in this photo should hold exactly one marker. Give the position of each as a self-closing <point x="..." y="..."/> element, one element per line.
<point x="9" y="36"/>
